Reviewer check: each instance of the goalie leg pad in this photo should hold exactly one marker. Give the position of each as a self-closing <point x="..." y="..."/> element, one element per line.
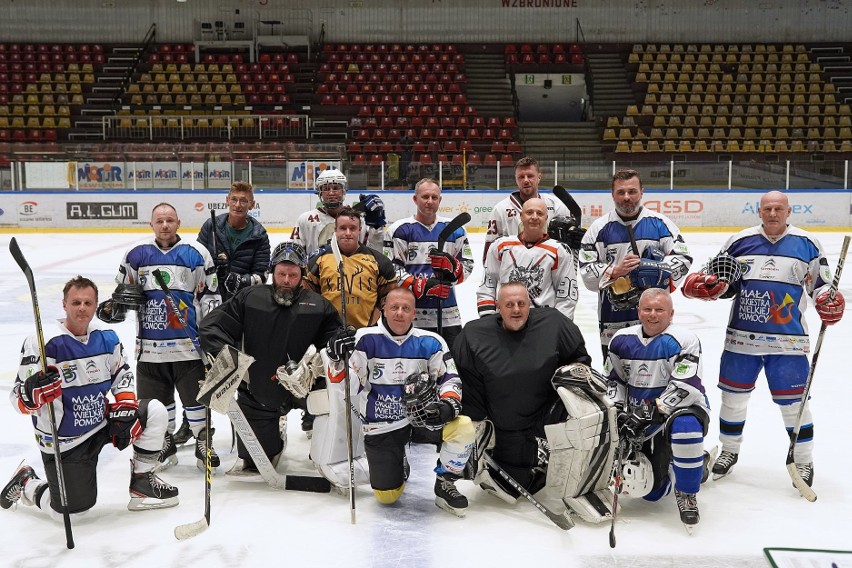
<point x="317" y="402"/>
<point x="582" y="450"/>
<point x="483" y="440"/>
<point x="328" y="442"/>
<point x="458" y="435"/>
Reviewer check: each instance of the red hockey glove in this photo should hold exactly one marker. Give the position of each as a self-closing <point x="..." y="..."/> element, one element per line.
<point x="446" y="266"/>
<point x="430" y="287"/>
<point x="703" y="286"/>
<point x="41" y="388"/>
<point x="830" y="309"/>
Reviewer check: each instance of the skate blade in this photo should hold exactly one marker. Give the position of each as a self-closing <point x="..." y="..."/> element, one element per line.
<point x="689" y="528"/>
<point x="146" y="503"/>
<point x="442" y="504"/>
<point x="718" y="476"/>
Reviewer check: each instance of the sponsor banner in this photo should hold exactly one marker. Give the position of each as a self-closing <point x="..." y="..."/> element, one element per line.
<point x="192" y="175"/>
<point x="281" y="209"/>
<point x="219" y="175"/>
<point x="166" y="175"/>
<point x="99" y="175"/>
<point x="140" y="175"/>
<point x="301" y="175"/>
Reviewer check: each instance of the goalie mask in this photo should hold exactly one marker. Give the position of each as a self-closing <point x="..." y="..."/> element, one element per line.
<point x="288" y="251"/>
<point x="330" y="187"/>
<point x="637" y="475"/>
<point x="420" y="390"/>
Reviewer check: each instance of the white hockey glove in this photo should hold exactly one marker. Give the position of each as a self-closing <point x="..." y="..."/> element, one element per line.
<point x="299" y="378"/>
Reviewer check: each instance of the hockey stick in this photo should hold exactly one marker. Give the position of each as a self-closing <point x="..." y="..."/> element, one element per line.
<point x="189" y="530"/>
<point x="618" y="474"/>
<point x="338" y="256"/>
<point x="562" y="194"/>
<point x="563" y="521"/>
<point x="806" y="491"/>
<point x="57" y="454"/>
<point x="455" y="224"/>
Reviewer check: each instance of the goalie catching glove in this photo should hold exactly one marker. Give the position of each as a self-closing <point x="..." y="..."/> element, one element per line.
<point x="446" y="266"/>
<point x="124" y="425"/>
<point x="40" y="389"/>
<point x="298" y="378"/>
<point x="829" y="306"/>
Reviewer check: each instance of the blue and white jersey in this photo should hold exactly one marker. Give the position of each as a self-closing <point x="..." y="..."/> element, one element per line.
<point x="767" y="315"/>
<point x="90" y="366"/>
<point x="607" y="242"/>
<point x="381" y="362"/>
<point x="407" y="244"/>
<point x="641" y="367"/>
<point x="191" y="277"/>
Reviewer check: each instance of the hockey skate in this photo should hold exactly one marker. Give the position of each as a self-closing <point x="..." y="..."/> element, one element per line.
<point x="806" y="470"/>
<point x="13" y="492"/>
<point x="245" y="470"/>
<point x="168" y="455"/>
<point x="307" y="424"/>
<point x="709" y="463"/>
<point x="447" y="497"/>
<point x="147" y="491"/>
<point x="201" y="450"/>
<point x="724" y="463"/>
<point x="687" y="504"/>
<point x="184" y="433"/>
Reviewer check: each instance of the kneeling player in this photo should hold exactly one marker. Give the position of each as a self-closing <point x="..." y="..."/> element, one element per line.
<point x="655" y="380"/>
<point x="87" y="420"/>
<point x="383" y="357"/>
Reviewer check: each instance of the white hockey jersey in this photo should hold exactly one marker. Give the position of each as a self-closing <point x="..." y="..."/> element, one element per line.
<point x="315" y="228"/>
<point x="546" y="268"/>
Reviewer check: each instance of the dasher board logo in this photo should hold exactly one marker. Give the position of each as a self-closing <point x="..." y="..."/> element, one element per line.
<point x="104" y="210"/>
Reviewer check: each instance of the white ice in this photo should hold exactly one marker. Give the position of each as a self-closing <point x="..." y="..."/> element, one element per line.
<point x="753" y="508"/>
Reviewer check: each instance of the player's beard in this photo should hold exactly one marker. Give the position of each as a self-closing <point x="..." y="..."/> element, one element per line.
<point x="284" y="295"/>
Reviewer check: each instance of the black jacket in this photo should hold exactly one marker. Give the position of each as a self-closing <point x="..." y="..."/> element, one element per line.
<point x="271" y="333"/>
<point x="251" y="257"/>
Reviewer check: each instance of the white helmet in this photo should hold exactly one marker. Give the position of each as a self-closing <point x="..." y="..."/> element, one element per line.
<point x="637" y="475"/>
<point x="327" y="178"/>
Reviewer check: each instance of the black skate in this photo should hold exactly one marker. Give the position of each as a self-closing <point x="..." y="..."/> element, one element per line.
<point x="201" y="450"/>
<point x="14" y="490"/>
<point x="147" y="491"/>
<point x="168" y="455"/>
<point x="184" y="433"/>
<point x="709" y="463"/>
<point x="687" y="504"/>
<point x="447" y="497"/>
<point x="307" y="424"/>
<point x="806" y="470"/>
<point x="724" y="463"/>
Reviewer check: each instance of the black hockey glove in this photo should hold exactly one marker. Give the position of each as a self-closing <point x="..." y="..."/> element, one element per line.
<point x="374" y="207"/>
<point x="573" y="238"/>
<point x="124" y="425"/>
<point x="342" y="344"/>
<point x="234" y="282"/>
<point x="632" y="425"/>
<point x="41" y="388"/>
<point x="440" y="412"/>
<point x="223" y="265"/>
<point x="110" y="312"/>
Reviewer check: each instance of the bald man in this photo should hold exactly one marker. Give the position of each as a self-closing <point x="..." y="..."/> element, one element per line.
<point x="769" y="270"/>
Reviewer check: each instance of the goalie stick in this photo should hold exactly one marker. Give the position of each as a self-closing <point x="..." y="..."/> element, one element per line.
<point x="563" y="520"/>
<point x="338" y="256"/>
<point x="807" y="491"/>
<point x="455" y="224"/>
<point x="57" y="454"/>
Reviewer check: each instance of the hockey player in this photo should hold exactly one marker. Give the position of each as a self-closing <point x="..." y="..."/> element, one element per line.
<point x="627" y="251"/>
<point x="505" y="219"/>
<point x="166" y="359"/>
<point x="382" y="358"/>
<point x="369" y="275"/>
<point x="86" y="419"/>
<point x="776" y="268"/>
<point x="506" y="362"/>
<point x="544" y="266"/>
<point x="431" y="274"/>
<point x="240" y="253"/>
<point x="654" y="372"/>
<point x="314" y="228"/>
<point x="276" y="324"/>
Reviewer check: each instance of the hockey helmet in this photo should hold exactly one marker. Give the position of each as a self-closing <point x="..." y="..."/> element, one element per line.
<point x="623" y="294"/>
<point x="131" y="296"/>
<point x="419" y="391"/>
<point x="726" y="267"/>
<point x="288" y="251"/>
<point x="327" y="180"/>
<point x="561" y="226"/>
<point x="637" y="475"/>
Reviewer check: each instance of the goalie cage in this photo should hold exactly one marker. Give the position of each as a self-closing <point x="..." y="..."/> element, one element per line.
<point x="582" y="448"/>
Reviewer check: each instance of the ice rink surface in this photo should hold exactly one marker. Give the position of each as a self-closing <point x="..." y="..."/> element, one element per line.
<point x="254" y="525"/>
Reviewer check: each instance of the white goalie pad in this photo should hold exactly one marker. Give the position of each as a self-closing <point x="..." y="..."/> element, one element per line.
<point x="582" y="450"/>
<point x="328" y="442"/>
<point x="229" y="369"/>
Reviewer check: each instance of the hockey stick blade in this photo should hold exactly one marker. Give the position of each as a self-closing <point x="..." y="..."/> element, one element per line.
<point x="454" y="225"/>
<point x="562" y="194"/>
<point x="183" y="532"/>
<point x="806" y="491"/>
<point x="563" y="521"/>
